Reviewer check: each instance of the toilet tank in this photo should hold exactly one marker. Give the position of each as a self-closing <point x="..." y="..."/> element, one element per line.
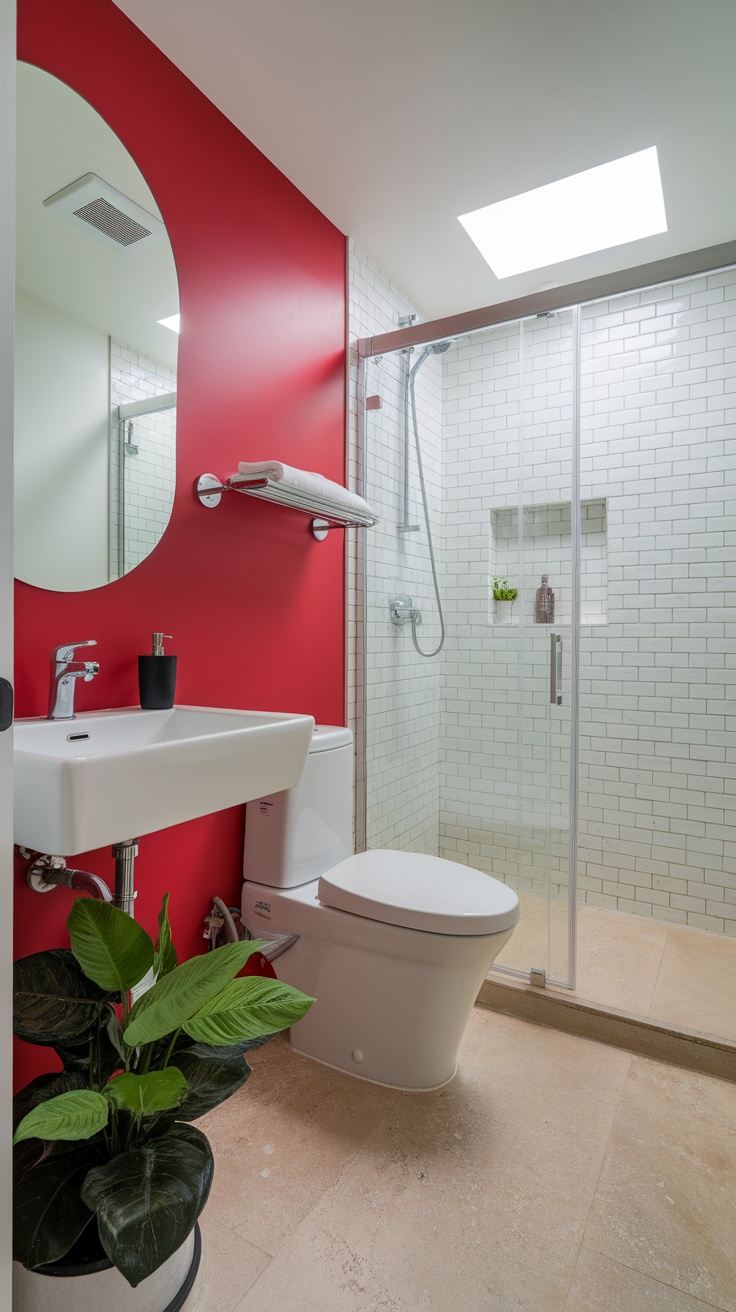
<point x="294" y="836"/>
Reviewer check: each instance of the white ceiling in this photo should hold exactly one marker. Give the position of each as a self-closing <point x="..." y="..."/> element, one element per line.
<point x="395" y="116"/>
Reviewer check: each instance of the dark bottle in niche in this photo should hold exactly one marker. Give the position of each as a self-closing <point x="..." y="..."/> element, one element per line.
<point x="544" y="607"/>
<point x="157" y="677"/>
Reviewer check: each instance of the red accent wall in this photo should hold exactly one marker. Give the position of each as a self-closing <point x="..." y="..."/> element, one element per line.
<point x="254" y="603"/>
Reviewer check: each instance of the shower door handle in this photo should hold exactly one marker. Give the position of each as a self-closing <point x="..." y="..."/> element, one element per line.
<point x="555" y="669"/>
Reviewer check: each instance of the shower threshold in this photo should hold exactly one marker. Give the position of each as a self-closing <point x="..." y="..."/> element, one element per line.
<point x="661" y="990"/>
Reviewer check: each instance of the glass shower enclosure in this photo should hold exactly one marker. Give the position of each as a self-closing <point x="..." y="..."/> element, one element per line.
<point x="578" y="746"/>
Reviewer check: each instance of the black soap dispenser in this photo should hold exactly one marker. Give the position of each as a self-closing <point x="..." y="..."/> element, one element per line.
<point x="157" y="676"/>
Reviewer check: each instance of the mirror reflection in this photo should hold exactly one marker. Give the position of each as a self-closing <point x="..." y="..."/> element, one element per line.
<point x="96" y="348"/>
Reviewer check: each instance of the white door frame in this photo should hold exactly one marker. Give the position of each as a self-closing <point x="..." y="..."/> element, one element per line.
<point x="7" y="301"/>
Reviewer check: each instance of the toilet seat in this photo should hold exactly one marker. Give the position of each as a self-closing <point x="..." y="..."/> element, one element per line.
<point x="414" y="891"/>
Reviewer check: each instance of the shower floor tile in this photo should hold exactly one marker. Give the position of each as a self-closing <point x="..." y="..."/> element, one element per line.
<point x="685" y="977"/>
<point x="696" y="985"/>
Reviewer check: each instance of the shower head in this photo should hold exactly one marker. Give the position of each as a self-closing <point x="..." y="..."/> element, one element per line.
<point x="435" y="348"/>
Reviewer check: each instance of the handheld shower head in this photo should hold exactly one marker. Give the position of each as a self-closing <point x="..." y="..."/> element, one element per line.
<point x="434" y="348"/>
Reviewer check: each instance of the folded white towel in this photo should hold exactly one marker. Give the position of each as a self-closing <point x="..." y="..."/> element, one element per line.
<point x="262" y="469"/>
<point x="304" y="480"/>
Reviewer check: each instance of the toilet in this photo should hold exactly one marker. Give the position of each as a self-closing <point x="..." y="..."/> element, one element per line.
<point x="393" y="945"/>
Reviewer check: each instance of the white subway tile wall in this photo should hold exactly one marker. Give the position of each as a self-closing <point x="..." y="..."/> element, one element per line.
<point x="657" y="835"/>
<point x="658" y="467"/>
<point x="150" y="474"/>
<point x="402" y="749"/>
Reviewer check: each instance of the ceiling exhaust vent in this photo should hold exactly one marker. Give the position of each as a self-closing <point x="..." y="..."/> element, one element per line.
<point x="93" y="206"/>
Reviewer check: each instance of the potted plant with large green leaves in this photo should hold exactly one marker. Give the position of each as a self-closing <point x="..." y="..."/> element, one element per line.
<point x="111" y="1175"/>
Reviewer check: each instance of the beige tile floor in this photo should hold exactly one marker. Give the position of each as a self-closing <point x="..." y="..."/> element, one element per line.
<point x="552" y="1175"/>
<point x="670" y="973"/>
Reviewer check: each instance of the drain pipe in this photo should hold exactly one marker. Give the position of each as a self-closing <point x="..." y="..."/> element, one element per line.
<point x="47" y="872"/>
<point x="125" y="895"/>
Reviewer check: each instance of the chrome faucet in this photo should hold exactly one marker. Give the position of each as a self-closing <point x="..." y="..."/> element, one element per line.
<point x="64" y="674"/>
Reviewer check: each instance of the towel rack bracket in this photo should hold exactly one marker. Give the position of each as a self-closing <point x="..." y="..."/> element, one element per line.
<point x="209" y="489"/>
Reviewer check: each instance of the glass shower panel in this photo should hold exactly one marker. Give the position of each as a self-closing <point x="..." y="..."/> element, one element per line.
<point x="532" y="544"/>
<point x="468" y="752"/>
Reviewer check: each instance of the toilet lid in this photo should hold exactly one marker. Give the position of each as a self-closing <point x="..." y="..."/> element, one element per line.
<point x="420" y="892"/>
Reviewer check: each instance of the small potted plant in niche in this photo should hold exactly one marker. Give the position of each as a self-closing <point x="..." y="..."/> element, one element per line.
<point x="504" y="596"/>
<point x="110" y="1174"/>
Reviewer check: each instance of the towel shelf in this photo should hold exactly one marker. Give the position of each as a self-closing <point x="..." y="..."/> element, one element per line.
<point x="326" y="513"/>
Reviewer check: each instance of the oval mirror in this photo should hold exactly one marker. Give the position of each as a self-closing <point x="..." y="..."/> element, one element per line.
<point x="97" y="316"/>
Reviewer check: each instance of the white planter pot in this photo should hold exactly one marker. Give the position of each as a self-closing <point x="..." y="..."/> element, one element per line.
<point x="107" y="1291"/>
<point x="504" y="612"/>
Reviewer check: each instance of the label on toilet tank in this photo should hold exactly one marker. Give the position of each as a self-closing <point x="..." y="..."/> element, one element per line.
<point x="262" y="909"/>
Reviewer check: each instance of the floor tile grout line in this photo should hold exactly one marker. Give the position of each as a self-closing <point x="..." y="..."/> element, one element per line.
<point x="604" y="1154"/>
<point x="240" y="1240"/>
<point x="255" y="1284"/>
<point x="659" y="970"/>
<point x="718" y="1307"/>
<point x="646" y="1011"/>
<point x="400" y="1096"/>
<point x="359" y="1148"/>
<point x="664" y="1284"/>
<point x="249" y="1242"/>
<point x="594" y="1190"/>
<point x="581" y="1245"/>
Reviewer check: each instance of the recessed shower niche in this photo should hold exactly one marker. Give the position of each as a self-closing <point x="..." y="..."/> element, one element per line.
<point x="544" y="546"/>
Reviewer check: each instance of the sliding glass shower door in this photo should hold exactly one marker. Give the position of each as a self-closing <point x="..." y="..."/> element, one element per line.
<point x="534" y="544"/>
<point x="470" y="753"/>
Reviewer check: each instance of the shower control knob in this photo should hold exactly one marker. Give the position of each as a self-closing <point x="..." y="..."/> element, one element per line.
<point x="402" y="611"/>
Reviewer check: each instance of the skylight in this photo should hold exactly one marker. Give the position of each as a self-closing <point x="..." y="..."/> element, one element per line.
<point x="172" y="322"/>
<point x="591" y="211"/>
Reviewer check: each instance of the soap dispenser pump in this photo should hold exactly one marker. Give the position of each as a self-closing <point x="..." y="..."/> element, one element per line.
<point x="157" y="676"/>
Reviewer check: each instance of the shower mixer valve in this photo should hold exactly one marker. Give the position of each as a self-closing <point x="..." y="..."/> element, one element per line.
<point x="403" y="611"/>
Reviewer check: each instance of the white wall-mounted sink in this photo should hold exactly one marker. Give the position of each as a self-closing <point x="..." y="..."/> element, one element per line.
<point x="107" y="776"/>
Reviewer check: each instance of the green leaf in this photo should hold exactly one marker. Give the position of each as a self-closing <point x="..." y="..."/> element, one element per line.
<point x="53" y="1001"/>
<point x="49" y="1214"/>
<point x="144" y="1095"/>
<point x="75" y="1115"/>
<point x="172" y="1000"/>
<point x="114" y="1038"/>
<point x="41" y="1089"/>
<point x="246" y="1008"/>
<point x="148" y="1199"/>
<point x="110" y="947"/>
<point x="165" y="958"/>
<point x="212" y="1075"/>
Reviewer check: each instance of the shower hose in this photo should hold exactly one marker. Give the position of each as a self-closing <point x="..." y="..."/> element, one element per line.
<point x="420" y="467"/>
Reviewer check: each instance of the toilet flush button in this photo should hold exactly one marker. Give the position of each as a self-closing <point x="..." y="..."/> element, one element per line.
<point x="357" y="1055"/>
